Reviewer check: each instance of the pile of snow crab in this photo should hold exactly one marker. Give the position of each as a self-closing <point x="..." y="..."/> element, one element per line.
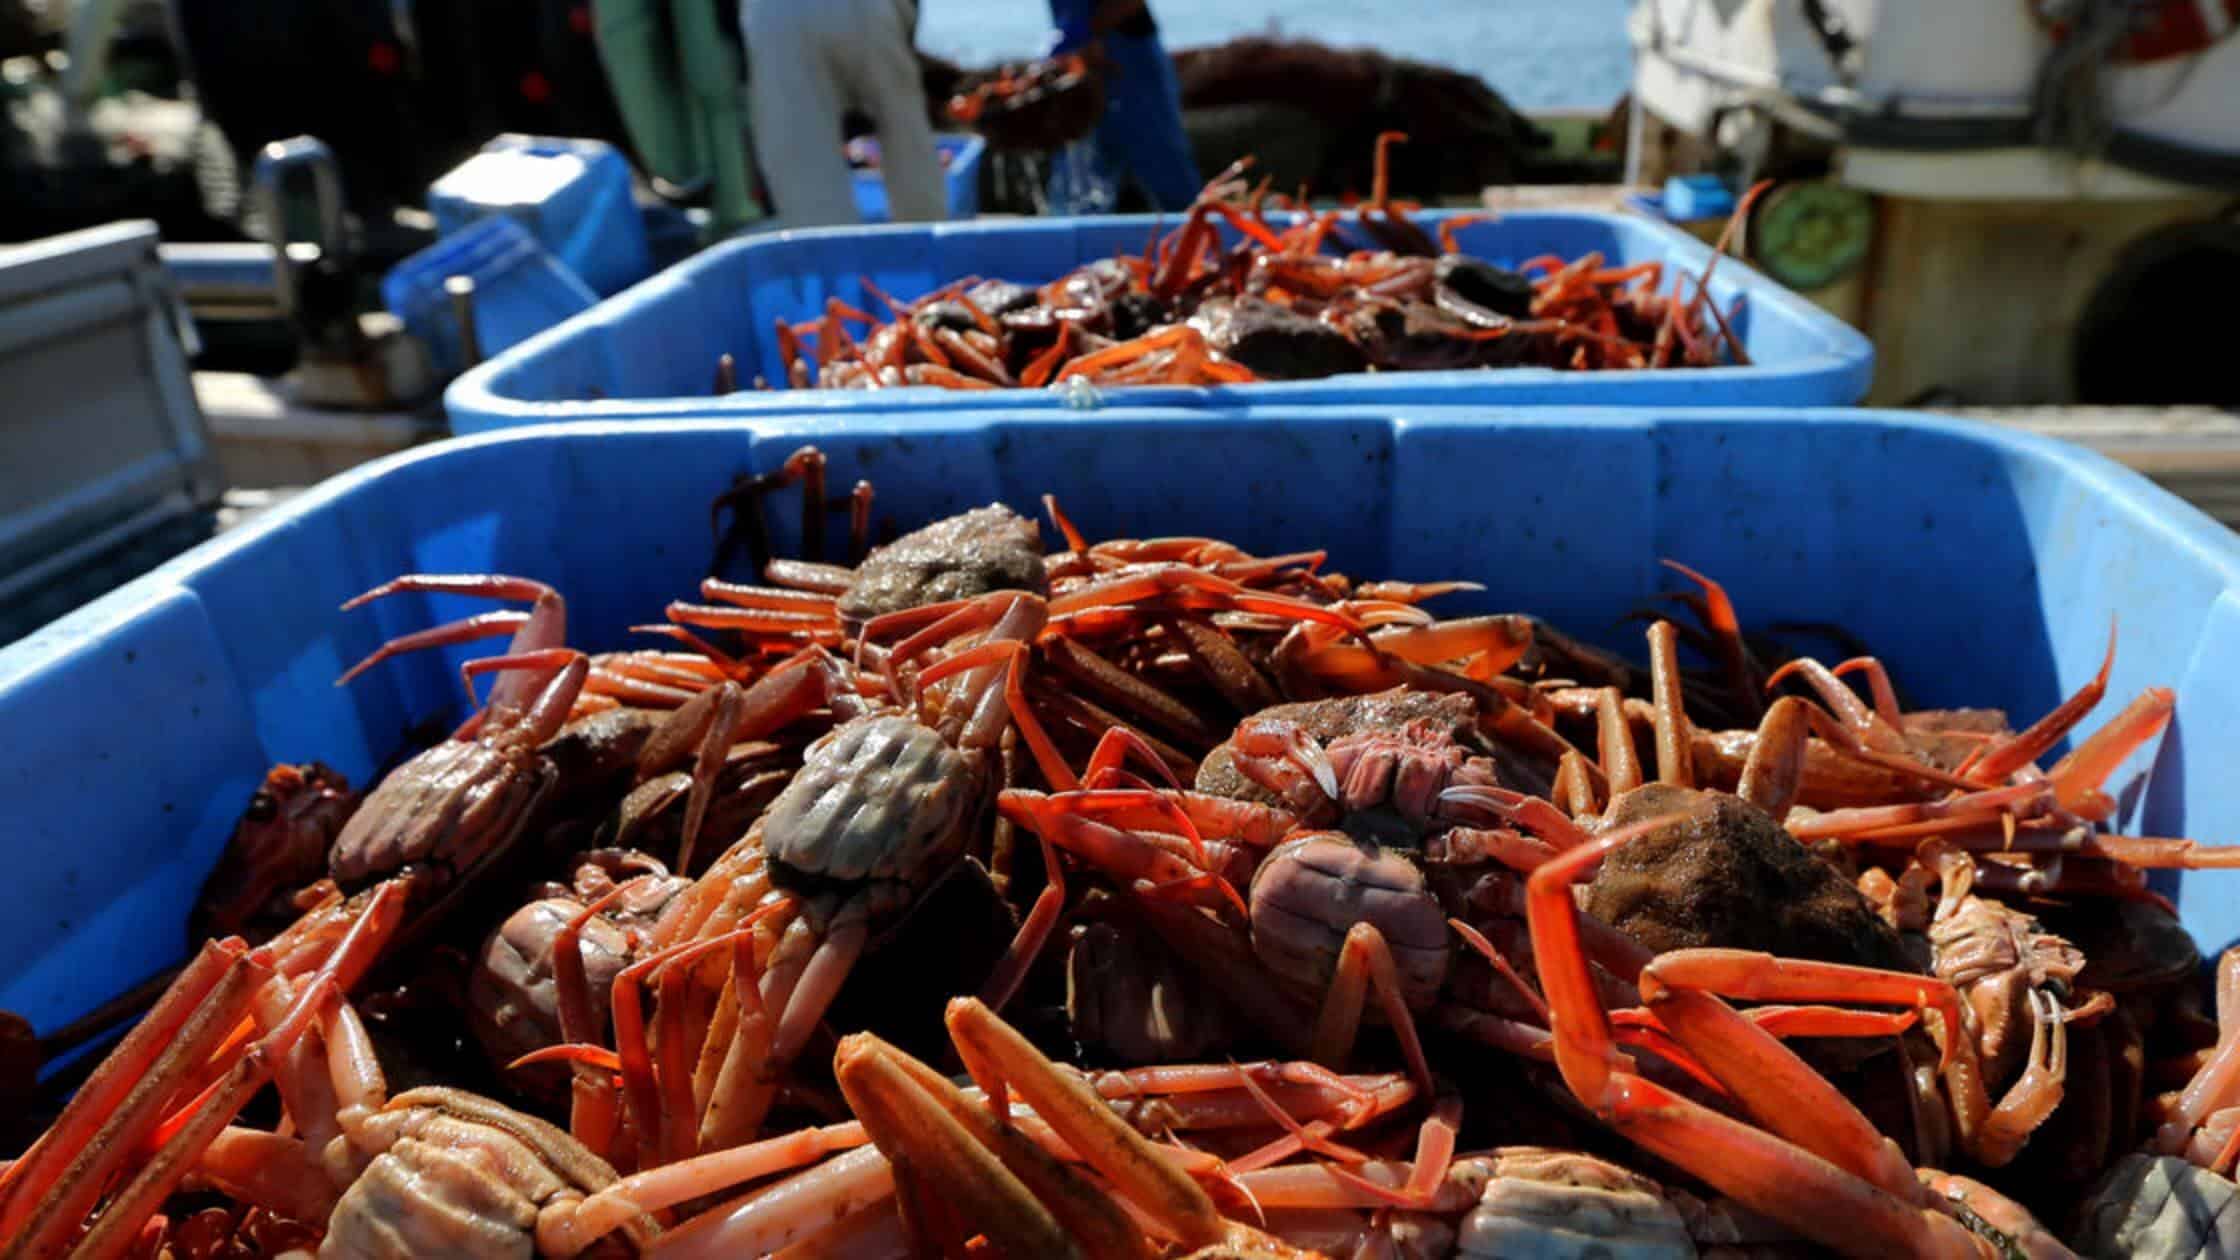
<point x="1299" y="295"/>
<point x="1141" y="897"/>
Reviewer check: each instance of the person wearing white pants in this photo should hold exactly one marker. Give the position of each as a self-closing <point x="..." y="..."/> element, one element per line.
<point x="807" y="62"/>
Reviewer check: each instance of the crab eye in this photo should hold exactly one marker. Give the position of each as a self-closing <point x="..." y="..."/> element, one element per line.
<point x="262" y="808"/>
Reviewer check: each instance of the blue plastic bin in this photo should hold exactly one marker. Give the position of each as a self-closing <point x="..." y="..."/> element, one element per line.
<point x="574" y="196"/>
<point x="1982" y="564"/>
<point x="520" y="290"/>
<point x="960" y="172"/>
<point x="652" y="351"/>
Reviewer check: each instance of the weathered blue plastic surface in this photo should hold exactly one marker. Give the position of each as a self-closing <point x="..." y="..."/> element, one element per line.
<point x="960" y="178"/>
<point x="651" y="352"/>
<point x="1982" y="564"/>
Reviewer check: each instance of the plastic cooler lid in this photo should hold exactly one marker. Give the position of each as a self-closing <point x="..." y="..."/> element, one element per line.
<point x="510" y="177"/>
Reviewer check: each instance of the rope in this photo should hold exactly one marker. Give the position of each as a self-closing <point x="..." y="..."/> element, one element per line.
<point x="2071" y="109"/>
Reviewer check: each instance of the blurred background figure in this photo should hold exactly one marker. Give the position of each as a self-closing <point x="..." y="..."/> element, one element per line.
<point x="808" y="61"/>
<point x="1140" y="139"/>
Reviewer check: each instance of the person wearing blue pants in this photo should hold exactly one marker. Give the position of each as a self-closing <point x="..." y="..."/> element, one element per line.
<point x="1140" y="137"/>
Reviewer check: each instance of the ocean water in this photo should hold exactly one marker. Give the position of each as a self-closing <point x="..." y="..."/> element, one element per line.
<point x="1539" y="54"/>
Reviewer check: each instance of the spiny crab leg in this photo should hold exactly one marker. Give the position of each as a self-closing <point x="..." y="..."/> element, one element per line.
<point x="1111" y="756"/>
<point x="591" y="1114"/>
<point x="642" y="1083"/>
<point x="1774" y="770"/>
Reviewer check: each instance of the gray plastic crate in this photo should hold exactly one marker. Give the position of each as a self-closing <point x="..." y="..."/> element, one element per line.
<point x="106" y="468"/>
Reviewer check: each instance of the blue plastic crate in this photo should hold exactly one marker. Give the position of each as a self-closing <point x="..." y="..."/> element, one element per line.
<point x="520" y="290"/>
<point x="961" y="157"/>
<point x="574" y="196"/>
<point x="652" y="351"/>
<point x="1983" y="565"/>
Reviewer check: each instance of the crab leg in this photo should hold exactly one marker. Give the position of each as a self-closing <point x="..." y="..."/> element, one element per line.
<point x="545" y="625"/>
<point x="1774" y="771"/>
<point x="1365" y="963"/>
<point x="767" y="1220"/>
<point x="1222" y="663"/>
<point x="917" y="1133"/>
<point x="1064" y="820"/>
<point x="1127" y="352"/>
<point x="128" y="1210"/>
<point x="642" y="1085"/>
<point x="1034" y="931"/>
<point x="1881" y="1215"/>
<point x="2217" y="1085"/>
<point x="1111" y="756"/>
<point x="733" y="1087"/>
<point x="1878" y="685"/>
<point x="1573" y="791"/>
<point x="1734" y="655"/>
<point x="487" y="625"/>
<point x="708" y="726"/>
<point x="1675" y="737"/>
<point x="59" y="1172"/>
<point x="1619" y="762"/>
<point x="1499" y="641"/>
<point x="999" y="1058"/>
<point x="1758" y="977"/>
<point x="2078" y="776"/>
<point x="591" y="1114"/>
<point x="1994" y="1135"/>
<point x="1184" y="583"/>
<point x="1854" y="713"/>
<point x="1953" y="811"/>
<point x="1090" y="1218"/>
<point x="2004" y="759"/>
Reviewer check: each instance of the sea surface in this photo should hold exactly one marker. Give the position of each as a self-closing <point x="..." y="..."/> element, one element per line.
<point x="1539" y="54"/>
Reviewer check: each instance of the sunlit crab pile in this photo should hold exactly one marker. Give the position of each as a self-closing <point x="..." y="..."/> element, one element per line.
<point x="1293" y="295"/>
<point x="1148" y="897"/>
